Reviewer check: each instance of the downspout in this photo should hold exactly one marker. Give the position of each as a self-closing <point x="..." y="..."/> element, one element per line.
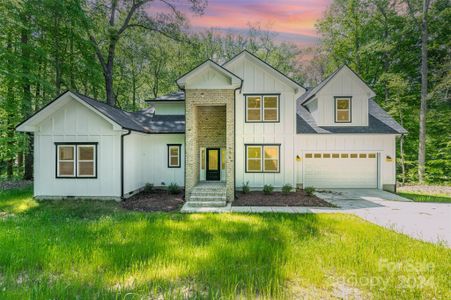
<point x="122" y="162"/>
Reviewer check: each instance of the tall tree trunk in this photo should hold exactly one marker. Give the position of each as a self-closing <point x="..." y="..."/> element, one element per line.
<point x="10" y="111"/>
<point x="26" y="100"/>
<point x="424" y="92"/>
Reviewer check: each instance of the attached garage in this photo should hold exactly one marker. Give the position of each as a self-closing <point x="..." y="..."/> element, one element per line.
<point x="341" y="170"/>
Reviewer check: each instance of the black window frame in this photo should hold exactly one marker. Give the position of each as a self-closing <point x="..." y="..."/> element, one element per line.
<point x="262" y="112"/>
<point x="335" y="109"/>
<point x="76" y="144"/>
<point x="262" y="158"/>
<point x="179" y="155"/>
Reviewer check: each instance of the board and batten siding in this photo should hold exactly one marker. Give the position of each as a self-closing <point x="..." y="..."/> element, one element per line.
<point x="169" y="108"/>
<point x="146" y="161"/>
<point x="259" y="80"/>
<point x="76" y="123"/>
<point x="384" y="144"/>
<point x="344" y="83"/>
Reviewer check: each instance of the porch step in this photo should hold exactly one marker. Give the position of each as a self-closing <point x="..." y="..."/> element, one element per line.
<point x="206" y="198"/>
<point x="208" y="195"/>
<point x="207" y="203"/>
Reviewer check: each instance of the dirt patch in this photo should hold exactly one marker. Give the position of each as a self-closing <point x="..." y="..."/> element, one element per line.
<point x="298" y="198"/>
<point x="14" y="184"/>
<point x="426" y="189"/>
<point x="157" y="200"/>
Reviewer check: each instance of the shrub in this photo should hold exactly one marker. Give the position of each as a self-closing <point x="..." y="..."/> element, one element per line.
<point x="246" y="188"/>
<point x="173" y="188"/>
<point x="267" y="189"/>
<point x="286" y="189"/>
<point x="309" y="190"/>
<point x="148" y="188"/>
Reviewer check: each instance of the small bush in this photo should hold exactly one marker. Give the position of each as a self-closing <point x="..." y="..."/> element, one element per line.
<point x="309" y="190"/>
<point x="246" y="188"/>
<point x="148" y="188"/>
<point x="173" y="188"/>
<point x="267" y="189"/>
<point x="286" y="189"/>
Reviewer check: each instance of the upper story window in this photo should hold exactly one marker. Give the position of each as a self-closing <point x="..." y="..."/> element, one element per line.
<point x="342" y="109"/>
<point x="174" y="156"/>
<point x="262" y="108"/>
<point x="76" y="160"/>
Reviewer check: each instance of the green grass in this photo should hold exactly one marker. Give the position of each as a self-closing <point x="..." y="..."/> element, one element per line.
<point x="423" y="197"/>
<point x="96" y="250"/>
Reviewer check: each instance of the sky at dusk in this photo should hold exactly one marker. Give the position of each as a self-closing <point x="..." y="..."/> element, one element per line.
<point x="293" y="20"/>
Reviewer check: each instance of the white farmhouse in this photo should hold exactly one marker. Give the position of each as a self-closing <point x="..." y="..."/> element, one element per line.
<point x="231" y="124"/>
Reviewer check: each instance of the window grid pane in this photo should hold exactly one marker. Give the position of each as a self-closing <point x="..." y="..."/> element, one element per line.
<point x="262" y="108"/>
<point x="66" y="161"/>
<point x="174" y="156"/>
<point x="85" y="161"/>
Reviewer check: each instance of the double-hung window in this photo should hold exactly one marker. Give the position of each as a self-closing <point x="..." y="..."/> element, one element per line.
<point x="262" y="108"/>
<point x="342" y="109"/>
<point x="262" y="158"/>
<point x="174" y="156"/>
<point x="76" y="160"/>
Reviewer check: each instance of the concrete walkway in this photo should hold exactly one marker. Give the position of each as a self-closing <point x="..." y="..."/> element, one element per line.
<point x="429" y="222"/>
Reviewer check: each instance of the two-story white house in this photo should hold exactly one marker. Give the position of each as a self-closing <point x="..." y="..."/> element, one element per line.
<point x="231" y="124"/>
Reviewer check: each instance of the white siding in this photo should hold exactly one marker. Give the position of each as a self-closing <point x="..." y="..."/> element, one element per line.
<point x="146" y="160"/>
<point x="76" y="123"/>
<point x="350" y="143"/>
<point x="168" y="108"/>
<point x="261" y="80"/>
<point x="344" y="83"/>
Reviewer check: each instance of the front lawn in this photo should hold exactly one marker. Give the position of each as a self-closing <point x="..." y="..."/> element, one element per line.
<point x="420" y="197"/>
<point x="92" y="249"/>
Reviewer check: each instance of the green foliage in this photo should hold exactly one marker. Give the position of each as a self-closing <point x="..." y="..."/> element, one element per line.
<point x="246" y="189"/>
<point x="148" y="188"/>
<point x="268" y="189"/>
<point x="380" y="41"/>
<point x="287" y="188"/>
<point x="310" y="190"/>
<point x="173" y="188"/>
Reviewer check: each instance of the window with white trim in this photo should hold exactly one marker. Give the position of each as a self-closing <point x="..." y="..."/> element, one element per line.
<point x="262" y="108"/>
<point x="262" y="158"/>
<point x="74" y="160"/>
<point x="174" y="156"/>
<point x="342" y="110"/>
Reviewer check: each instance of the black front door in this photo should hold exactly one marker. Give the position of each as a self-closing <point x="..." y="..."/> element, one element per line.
<point x="213" y="159"/>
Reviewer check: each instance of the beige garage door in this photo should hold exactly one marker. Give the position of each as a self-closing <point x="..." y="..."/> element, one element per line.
<point x="340" y="170"/>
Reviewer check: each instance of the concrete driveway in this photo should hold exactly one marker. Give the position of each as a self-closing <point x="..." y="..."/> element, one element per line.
<point x="425" y="221"/>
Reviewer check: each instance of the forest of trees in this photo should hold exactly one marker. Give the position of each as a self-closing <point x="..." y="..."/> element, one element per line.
<point x="126" y="51"/>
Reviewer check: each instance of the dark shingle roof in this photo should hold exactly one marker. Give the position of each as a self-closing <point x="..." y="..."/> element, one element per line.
<point x="160" y="123"/>
<point x="141" y="121"/>
<point x="177" y="96"/>
<point x="379" y="121"/>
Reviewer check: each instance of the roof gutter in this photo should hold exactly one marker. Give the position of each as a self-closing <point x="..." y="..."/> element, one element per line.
<point x="122" y="162"/>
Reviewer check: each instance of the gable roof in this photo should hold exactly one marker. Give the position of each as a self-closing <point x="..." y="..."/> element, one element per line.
<point x="312" y="92"/>
<point x="136" y="121"/>
<point x="176" y="96"/>
<point x="261" y="62"/>
<point x="237" y="81"/>
<point x="379" y="121"/>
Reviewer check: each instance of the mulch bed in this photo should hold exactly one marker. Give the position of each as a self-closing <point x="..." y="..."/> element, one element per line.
<point x="298" y="198"/>
<point x="14" y="184"/>
<point x="157" y="200"/>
